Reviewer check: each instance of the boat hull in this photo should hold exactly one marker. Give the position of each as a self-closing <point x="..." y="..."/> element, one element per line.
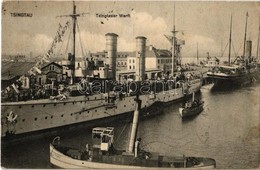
<point x="227" y="81"/>
<point x="188" y="112"/>
<point x="39" y="115"/>
<point x="60" y="160"/>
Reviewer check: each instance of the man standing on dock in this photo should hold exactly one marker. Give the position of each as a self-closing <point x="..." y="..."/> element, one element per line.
<point x="137" y="146"/>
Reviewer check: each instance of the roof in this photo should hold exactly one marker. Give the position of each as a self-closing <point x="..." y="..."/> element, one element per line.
<point x="123" y="52"/>
<point x="150" y="53"/>
<point x="10" y="69"/>
<point x="98" y="53"/>
<point x="230" y="67"/>
<point x="153" y="52"/>
<point x="58" y="59"/>
<point x="111" y="34"/>
<point x="50" y="64"/>
<point x="118" y="53"/>
<point x="134" y="71"/>
<point x="132" y="54"/>
<point x="163" y="53"/>
<point x="141" y="37"/>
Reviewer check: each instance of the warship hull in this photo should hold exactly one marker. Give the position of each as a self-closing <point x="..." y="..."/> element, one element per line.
<point x="38" y="115"/>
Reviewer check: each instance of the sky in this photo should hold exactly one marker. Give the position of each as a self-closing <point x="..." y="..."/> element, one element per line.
<point x="204" y="23"/>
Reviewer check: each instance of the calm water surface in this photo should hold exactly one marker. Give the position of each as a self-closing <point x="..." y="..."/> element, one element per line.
<point x="227" y="130"/>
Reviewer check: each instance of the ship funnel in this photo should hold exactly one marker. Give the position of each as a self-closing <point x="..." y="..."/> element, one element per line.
<point x="248" y="49"/>
<point x="140" y="58"/>
<point x="111" y="48"/>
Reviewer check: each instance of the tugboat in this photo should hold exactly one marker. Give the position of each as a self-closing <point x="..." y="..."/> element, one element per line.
<point x="191" y="108"/>
<point x="103" y="155"/>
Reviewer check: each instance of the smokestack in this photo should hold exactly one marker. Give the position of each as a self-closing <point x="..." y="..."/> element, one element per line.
<point x="140" y="58"/>
<point x="111" y="47"/>
<point x="248" y="49"/>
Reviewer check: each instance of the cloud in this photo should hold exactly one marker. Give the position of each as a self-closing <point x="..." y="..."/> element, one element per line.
<point x="23" y="43"/>
<point x="92" y="32"/>
<point x="205" y="44"/>
<point x="153" y="28"/>
<point x="153" y="20"/>
<point x="91" y="42"/>
<point x="41" y="42"/>
<point x="97" y="42"/>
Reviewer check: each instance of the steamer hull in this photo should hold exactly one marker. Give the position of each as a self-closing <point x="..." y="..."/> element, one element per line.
<point x="224" y="81"/>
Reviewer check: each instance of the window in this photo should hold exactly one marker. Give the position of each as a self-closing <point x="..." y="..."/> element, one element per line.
<point x="51" y="68"/>
<point x="158" y="61"/>
<point x="129" y="60"/>
<point x="133" y="60"/>
<point x="130" y="67"/>
<point x="133" y="67"/>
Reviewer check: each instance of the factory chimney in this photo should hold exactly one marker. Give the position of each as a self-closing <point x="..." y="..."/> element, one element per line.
<point x="248" y="52"/>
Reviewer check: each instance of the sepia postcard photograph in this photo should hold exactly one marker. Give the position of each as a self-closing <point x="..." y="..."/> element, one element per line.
<point x="130" y="84"/>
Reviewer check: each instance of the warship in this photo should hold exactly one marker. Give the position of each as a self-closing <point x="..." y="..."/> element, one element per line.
<point x="243" y="70"/>
<point x="76" y="99"/>
<point x="103" y="155"/>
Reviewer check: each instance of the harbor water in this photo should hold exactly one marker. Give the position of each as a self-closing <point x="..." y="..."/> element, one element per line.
<point x="227" y="130"/>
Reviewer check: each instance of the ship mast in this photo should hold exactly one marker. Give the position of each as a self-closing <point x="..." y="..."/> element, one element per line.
<point x="245" y="35"/>
<point x="197" y="53"/>
<point x="257" y="49"/>
<point x="230" y="40"/>
<point x="73" y="16"/>
<point x="173" y="43"/>
<point x="74" y="20"/>
<point x="221" y="52"/>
